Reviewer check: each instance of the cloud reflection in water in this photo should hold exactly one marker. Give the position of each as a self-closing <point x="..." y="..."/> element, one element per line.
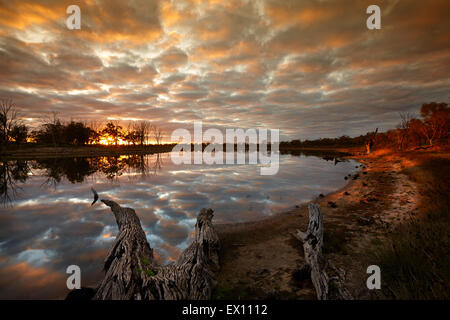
<point x="47" y="222"/>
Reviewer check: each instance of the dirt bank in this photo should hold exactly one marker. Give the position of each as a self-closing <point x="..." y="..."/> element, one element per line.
<point x="40" y="152"/>
<point x="261" y="259"/>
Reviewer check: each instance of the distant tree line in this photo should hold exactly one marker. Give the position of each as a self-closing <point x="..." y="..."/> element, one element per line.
<point x="56" y="132"/>
<point x="343" y="141"/>
<point x="431" y="128"/>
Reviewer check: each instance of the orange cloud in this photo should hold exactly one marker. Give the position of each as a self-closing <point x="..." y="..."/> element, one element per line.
<point x="20" y="15"/>
<point x="284" y="15"/>
<point x="170" y="16"/>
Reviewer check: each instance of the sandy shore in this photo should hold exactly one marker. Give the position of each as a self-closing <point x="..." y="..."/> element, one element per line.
<point x="259" y="260"/>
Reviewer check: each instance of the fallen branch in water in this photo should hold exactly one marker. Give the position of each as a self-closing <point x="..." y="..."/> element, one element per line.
<point x="327" y="287"/>
<point x="131" y="271"/>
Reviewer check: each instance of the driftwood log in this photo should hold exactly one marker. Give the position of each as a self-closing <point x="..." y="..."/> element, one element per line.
<point x="327" y="279"/>
<point x="131" y="272"/>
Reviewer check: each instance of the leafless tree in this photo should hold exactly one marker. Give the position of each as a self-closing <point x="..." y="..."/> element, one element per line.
<point x="157" y="134"/>
<point x="405" y="119"/>
<point x="143" y="129"/>
<point x="9" y="118"/>
<point x="131" y="134"/>
<point x="50" y="118"/>
<point x="96" y="125"/>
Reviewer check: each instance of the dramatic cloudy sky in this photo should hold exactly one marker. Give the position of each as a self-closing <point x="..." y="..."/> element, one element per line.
<point x="309" y="68"/>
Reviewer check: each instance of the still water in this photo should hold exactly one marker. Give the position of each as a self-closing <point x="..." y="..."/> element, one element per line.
<point x="47" y="222"/>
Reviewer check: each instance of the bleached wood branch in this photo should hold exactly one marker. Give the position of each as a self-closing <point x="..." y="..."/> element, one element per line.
<point x="312" y="245"/>
<point x="131" y="271"/>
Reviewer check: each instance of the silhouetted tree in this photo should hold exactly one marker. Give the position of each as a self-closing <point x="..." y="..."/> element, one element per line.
<point x="19" y="133"/>
<point x="9" y="118"/>
<point x="143" y="129"/>
<point x="131" y="135"/>
<point x="77" y="133"/>
<point x="114" y="130"/>
<point x="94" y="136"/>
<point x="158" y="134"/>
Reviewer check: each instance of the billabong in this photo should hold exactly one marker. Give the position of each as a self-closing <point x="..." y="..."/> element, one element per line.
<point x="256" y="140"/>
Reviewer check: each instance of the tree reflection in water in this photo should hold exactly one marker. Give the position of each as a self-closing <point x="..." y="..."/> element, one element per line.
<point x="77" y="169"/>
<point x="11" y="174"/>
<point x="74" y="169"/>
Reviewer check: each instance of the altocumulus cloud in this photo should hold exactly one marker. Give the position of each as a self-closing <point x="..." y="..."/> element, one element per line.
<point x="310" y="68"/>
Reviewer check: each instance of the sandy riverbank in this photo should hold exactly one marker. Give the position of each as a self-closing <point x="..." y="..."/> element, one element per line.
<point x="259" y="260"/>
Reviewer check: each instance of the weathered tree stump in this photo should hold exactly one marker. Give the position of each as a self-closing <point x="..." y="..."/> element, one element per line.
<point x="131" y="272"/>
<point x="327" y="287"/>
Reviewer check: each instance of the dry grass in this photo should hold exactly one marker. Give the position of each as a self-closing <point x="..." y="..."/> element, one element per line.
<point x="415" y="261"/>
